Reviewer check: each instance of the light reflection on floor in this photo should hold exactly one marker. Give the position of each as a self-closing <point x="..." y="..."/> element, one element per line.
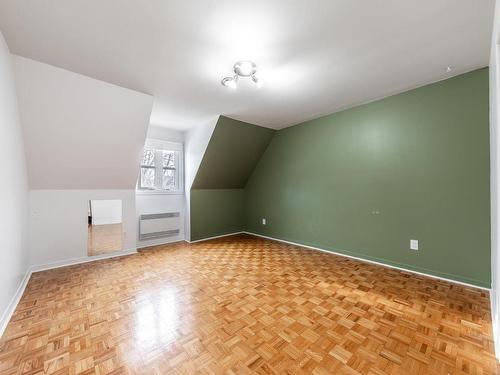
<point x="157" y="323"/>
<point x="244" y="305"/>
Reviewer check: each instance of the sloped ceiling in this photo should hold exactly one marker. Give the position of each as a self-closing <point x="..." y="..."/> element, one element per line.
<point x="79" y="133"/>
<point x="316" y="57"/>
<point x="232" y="154"/>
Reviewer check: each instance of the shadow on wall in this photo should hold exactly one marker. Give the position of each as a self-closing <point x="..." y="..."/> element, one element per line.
<point x="217" y="194"/>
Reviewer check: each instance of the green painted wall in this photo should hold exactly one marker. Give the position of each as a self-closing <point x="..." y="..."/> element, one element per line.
<point x="217" y="195"/>
<point x="232" y="154"/>
<point x="420" y="159"/>
<point x="216" y="212"/>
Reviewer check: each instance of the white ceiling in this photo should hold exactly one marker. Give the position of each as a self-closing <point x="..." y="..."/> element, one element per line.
<point x="316" y="57"/>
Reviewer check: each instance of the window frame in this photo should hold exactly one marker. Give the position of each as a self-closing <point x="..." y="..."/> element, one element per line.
<point x="159" y="146"/>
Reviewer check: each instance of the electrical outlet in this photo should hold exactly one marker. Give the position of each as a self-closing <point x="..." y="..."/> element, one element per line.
<point x="413" y="244"/>
<point x="264" y="222"/>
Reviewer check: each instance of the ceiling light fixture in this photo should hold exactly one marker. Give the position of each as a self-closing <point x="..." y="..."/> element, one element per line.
<point x="242" y="69"/>
<point x="230" y="82"/>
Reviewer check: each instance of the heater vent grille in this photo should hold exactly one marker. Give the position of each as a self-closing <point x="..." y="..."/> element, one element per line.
<point x="158" y="225"/>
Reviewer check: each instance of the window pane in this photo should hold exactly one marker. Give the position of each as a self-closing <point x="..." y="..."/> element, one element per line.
<point x="148" y="158"/>
<point x="147" y="178"/>
<point x="168" y="179"/>
<point x="168" y="158"/>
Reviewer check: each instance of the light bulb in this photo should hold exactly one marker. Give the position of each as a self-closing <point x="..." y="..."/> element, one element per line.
<point x="245" y="68"/>
<point x="229" y="82"/>
<point x="258" y="81"/>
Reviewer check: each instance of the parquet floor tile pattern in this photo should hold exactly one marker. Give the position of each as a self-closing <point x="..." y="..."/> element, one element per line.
<point x="104" y="239"/>
<point x="245" y="305"/>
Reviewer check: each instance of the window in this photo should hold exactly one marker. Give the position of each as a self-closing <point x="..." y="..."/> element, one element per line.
<point x="161" y="167"/>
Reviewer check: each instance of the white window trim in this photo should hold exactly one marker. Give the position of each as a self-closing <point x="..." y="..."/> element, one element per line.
<point x="169" y="146"/>
<point x="158" y="192"/>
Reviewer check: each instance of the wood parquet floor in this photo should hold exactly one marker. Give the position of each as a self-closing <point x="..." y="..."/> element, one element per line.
<point x="104" y="239"/>
<point x="244" y="305"/>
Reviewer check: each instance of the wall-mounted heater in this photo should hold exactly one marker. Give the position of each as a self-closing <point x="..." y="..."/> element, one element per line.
<point x="153" y="226"/>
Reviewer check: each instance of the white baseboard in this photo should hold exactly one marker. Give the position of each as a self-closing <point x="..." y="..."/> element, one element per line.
<point x="147" y="244"/>
<point x="7" y="315"/>
<point x="9" y="311"/>
<point x="214" y="237"/>
<point x="73" y="261"/>
<point x="349" y="256"/>
<point x="371" y="261"/>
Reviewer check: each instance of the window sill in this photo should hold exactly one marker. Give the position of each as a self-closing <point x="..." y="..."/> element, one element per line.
<point x="157" y="192"/>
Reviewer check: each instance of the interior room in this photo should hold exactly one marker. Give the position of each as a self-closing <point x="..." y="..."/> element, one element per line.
<point x="265" y="187"/>
<point x="105" y="227"/>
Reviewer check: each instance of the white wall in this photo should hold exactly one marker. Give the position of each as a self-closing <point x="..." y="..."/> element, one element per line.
<point x="171" y="135"/>
<point x="84" y="139"/>
<point x="159" y="203"/>
<point x="107" y="211"/>
<point x="195" y="144"/>
<point x="495" y="177"/>
<point x="58" y="221"/>
<point x="80" y="133"/>
<point x="13" y="190"/>
<point x="152" y="202"/>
